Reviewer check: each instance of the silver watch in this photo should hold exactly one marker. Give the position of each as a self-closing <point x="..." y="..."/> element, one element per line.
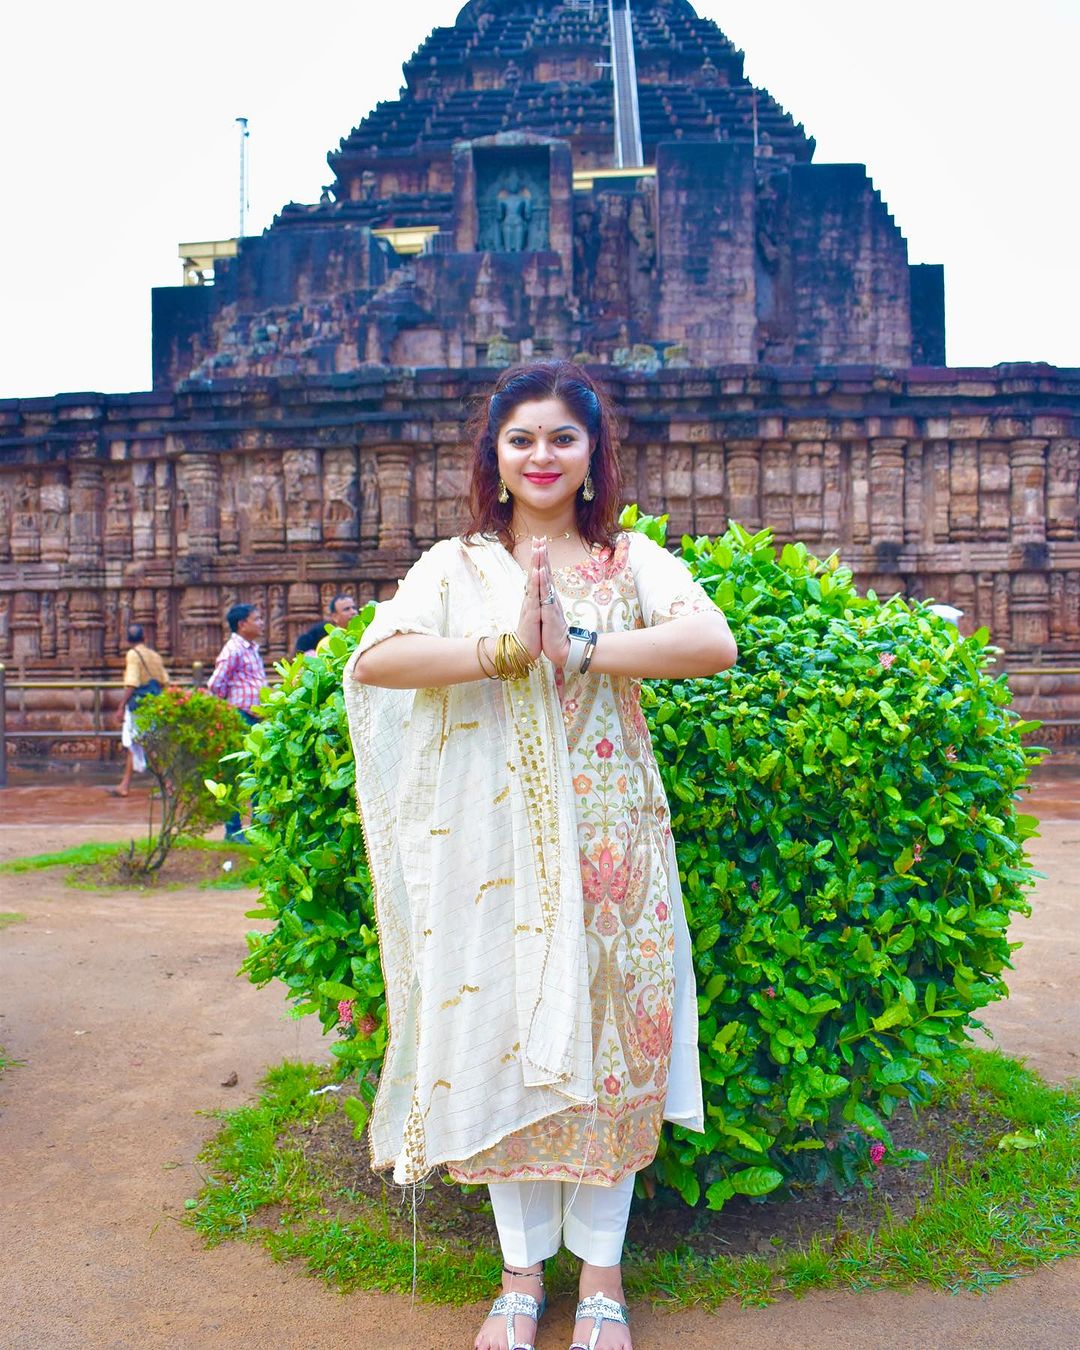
<point x="582" y="646"/>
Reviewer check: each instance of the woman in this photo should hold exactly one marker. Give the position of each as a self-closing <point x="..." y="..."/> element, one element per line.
<point x="538" y="975"/>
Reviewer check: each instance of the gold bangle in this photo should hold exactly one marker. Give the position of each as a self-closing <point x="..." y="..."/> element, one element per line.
<point x="511" y="659"/>
<point x="493" y="674"/>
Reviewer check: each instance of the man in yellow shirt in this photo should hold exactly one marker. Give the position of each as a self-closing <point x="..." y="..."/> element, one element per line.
<point x="341" y="613"/>
<point x="143" y="668"/>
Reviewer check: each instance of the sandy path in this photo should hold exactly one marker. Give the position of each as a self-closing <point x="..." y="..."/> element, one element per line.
<point x="99" y="1130"/>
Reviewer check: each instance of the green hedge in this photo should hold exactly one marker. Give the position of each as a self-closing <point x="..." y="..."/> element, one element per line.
<point x="844" y="803"/>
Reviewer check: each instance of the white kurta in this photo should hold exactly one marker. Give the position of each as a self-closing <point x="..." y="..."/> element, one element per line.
<point x="537" y="958"/>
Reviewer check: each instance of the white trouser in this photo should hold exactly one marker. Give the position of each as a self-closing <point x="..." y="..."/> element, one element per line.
<point x="534" y="1216"/>
<point x="129" y="741"/>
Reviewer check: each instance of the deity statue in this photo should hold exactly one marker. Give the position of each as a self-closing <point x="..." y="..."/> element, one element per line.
<point x="370" y="506"/>
<point x="55" y="505"/>
<point x="514" y="214"/>
<point x="513" y="210"/>
<point x="118" y="519"/>
<point x="25" y="512"/>
<point x="265" y="492"/>
<point x="339" y="493"/>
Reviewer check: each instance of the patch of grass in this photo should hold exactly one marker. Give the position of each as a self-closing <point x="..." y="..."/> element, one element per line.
<point x="983" y="1215"/>
<point x="6" y="1062"/>
<point x="8" y="917"/>
<point x="81" y="855"/>
<point x="89" y="865"/>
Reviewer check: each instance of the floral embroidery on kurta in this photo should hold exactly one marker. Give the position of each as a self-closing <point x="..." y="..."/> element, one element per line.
<point x="623" y="837"/>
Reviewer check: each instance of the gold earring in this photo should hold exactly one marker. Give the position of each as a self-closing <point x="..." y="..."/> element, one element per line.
<point x="504" y="493"/>
<point x="587" y="490"/>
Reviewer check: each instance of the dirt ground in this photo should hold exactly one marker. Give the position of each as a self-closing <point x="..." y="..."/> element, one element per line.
<point x="129" y="1018"/>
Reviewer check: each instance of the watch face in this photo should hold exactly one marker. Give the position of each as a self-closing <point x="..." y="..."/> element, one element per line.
<point x="582" y="633"/>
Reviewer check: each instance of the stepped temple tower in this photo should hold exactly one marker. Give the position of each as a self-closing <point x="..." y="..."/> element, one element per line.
<point x="561" y="178"/>
<point x="588" y="178"/>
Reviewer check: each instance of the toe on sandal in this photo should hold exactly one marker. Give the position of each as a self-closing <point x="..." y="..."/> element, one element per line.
<point x="603" y="1309"/>
<point x="517" y="1305"/>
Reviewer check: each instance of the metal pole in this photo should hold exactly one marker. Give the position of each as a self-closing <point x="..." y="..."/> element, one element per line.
<point x="3" y="728"/>
<point x="242" y="123"/>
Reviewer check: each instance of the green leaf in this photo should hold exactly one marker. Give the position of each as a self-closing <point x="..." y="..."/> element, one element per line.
<point x="707" y="938"/>
<point x="744" y="1138"/>
<point x="756" y="1180"/>
<point x="1022" y="1140"/>
<point x="358" y="1112"/>
<point x="898" y="1071"/>
<point x="894" y="1015"/>
<point x="901" y="941"/>
<point x="868" y="1120"/>
<point x="338" y="992"/>
<point x="718" y="1194"/>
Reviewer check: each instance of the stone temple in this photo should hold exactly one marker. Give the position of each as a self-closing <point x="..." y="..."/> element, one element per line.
<point x="590" y="178"/>
<point x="564" y="179"/>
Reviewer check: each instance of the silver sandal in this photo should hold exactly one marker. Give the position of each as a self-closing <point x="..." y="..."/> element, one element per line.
<point x="517" y="1304"/>
<point x="603" y="1309"/>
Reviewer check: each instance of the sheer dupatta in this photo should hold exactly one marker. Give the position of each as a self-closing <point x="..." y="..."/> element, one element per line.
<point x="467" y="809"/>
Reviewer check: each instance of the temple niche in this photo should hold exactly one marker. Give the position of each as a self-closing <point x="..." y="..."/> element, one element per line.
<point x="777" y="358"/>
<point x="512" y="202"/>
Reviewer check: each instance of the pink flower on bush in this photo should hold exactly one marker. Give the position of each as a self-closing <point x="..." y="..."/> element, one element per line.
<point x="755" y="886"/>
<point x="611" y="1085"/>
<point x="770" y="992"/>
<point x="950" y="752"/>
<point x="344" y="1012"/>
<point x="916" y="853"/>
<point x="886" y="659"/>
<point x="367" y="1026"/>
<point x="604" y="748"/>
<point x="877" y="1153"/>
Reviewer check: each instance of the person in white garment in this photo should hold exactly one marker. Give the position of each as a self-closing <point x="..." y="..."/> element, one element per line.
<point x="540" y="991"/>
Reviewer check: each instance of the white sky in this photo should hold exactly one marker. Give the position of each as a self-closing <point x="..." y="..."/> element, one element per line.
<point x="119" y="141"/>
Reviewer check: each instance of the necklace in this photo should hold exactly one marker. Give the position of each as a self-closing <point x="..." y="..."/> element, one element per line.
<point x="547" y="538"/>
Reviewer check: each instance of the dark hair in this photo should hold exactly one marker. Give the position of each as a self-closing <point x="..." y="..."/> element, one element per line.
<point x="236" y="616"/>
<point x="345" y="595"/>
<point x="135" y="632"/>
<point x="597" y="520"/>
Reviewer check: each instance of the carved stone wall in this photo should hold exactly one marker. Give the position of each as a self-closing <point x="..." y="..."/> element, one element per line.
<point x="166" y="509"/>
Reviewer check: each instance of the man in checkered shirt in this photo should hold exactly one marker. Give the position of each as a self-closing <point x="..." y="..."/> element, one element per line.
<point x="239" y="677"/>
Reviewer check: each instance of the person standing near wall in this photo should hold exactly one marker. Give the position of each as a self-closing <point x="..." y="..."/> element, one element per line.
<point x="239" y="678"/>
<point x="341" y="612"/>
<point x="144" y="673"/>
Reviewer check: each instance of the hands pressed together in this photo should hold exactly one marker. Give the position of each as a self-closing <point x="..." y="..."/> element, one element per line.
<point x="542" y="627"/>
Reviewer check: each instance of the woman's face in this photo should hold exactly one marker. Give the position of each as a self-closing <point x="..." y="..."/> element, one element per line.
<point x="543" y="453"/>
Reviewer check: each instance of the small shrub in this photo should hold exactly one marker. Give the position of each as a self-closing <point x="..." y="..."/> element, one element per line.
<point x="314" y="876"/>
<point x="184" y="734"/>
<point x="844" y="806"/>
